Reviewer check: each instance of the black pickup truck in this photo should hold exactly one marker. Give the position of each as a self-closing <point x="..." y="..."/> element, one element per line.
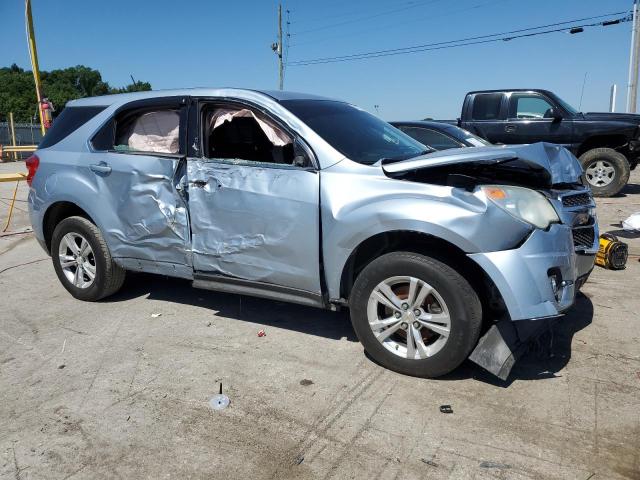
<point x="607" y="144"/>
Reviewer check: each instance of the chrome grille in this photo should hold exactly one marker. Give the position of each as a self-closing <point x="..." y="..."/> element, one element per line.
<point x="577" y="200"/>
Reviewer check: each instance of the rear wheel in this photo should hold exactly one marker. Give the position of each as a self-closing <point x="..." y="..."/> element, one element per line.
<point x="82" y="260"/>
<point x="606" y="170"/>
<point x="414" y="314"/>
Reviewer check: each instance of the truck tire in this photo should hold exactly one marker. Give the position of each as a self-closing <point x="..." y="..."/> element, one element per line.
<point x="82" y="260"/>
<point x="414" y="314"/>
<point x="606" y="170"/>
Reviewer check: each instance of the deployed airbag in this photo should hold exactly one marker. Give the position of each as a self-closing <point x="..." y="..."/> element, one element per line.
<point x="154" y="132"/>
<point x="275" y="135"/>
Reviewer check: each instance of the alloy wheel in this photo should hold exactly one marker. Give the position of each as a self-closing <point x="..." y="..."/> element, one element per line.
<point x="77" y="260"/>
<point x="408" y="317"/>
<point x="600" y="173"/>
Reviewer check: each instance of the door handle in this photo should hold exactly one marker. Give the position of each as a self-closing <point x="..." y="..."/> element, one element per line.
<point x="101" y="167"/>
<point x="510" y="128"/>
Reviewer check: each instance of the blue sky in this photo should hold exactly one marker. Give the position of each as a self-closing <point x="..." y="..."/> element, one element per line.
<point x="211" y="43"/>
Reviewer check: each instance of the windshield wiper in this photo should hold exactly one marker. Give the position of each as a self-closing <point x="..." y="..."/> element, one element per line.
<point x="384" y="160"/>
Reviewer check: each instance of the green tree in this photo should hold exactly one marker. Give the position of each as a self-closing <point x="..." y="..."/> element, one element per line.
<point x="17" y="91"/>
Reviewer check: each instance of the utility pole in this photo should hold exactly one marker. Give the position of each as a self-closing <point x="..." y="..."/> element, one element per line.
<point x="33" y="53"/>
<point x="12" y="130"/>
<point x="280" y="70"/>
<point x="634" y="55"/>
<point x="277" y="48"/>
<point x="612" y="99"/>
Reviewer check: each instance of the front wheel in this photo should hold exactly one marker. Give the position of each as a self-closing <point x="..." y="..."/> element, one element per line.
<point x="606" y="170"/>
<point x="414" y="314"/>
<point x="82" y="260"/>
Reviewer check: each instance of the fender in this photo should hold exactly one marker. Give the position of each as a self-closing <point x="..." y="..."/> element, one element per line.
<point x="354" y="209"/>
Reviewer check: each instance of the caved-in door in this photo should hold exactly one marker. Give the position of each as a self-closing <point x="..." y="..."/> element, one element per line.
<point x="253" y="201"/>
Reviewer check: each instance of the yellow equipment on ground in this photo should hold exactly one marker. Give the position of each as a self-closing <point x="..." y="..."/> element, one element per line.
<point x="612" y="253"/>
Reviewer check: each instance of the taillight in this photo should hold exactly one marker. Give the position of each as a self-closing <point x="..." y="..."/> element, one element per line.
<point x="32" y="163"/>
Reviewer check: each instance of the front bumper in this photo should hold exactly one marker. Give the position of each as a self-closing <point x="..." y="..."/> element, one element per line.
<point x="524" y="275"/>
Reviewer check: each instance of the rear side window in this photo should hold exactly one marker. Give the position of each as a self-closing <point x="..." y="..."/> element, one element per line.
<point x="486" y="106"/>
<point x="151" y="131"/>
<point x="68" y="122"/>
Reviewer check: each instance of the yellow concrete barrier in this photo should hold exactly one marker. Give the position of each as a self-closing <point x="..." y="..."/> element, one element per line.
<point x="12" y="177"/>
<point x="16" y="149"/>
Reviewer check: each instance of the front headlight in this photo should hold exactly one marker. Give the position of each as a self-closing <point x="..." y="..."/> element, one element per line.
<point x="523" y="203"/>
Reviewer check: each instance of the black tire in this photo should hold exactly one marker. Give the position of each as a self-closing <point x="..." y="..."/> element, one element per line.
<point x="461" y="300"/>
<point x="609" y="156"/>
<point x="109" y="277"/>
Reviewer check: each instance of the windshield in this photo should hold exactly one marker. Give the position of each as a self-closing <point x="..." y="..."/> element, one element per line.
<point x="566" y="106"/>
<point x="358" y="135"/>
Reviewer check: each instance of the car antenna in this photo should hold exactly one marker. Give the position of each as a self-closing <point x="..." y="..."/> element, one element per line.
<point x="582" y="92"/>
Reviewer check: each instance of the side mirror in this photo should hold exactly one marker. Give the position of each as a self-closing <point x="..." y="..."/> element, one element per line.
<point x="300" y="157"/>
<point x="554" y="114"/>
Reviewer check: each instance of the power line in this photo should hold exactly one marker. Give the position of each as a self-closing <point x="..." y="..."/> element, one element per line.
<point x="367" y="17"/>
<point x="464" y="41"/>
<point x="344" y="13"/>
<point x="398" y="23"/>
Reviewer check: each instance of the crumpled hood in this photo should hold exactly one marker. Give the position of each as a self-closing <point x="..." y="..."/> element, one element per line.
<point x="561" y="165"/>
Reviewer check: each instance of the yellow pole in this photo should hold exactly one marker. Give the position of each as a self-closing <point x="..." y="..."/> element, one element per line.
<point x="13" y="202"/>
<point x="12" y="127"/>
<point x="33" y="53"/>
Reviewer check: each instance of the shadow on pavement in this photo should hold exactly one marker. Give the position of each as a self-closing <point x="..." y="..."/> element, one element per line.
<point x="629" y="189"/>
<point x="621" y="233"/>
<point x="309" y="320"/>
<point x="544" y="358"/>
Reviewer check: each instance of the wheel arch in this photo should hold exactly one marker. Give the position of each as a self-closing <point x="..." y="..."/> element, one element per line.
<point x="55" y="213"/>
<point x="426" y="244"/>
<point x="602" y="141"/>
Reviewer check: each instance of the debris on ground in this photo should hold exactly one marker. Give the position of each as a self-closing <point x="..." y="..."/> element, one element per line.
<point x="299" y="459"/>
<point x="305" y="382"/>
<point x="446" y="409"/>
<point x="219" y="401"/>
<point x="431" y="463"/>
<point x="632" y="223"/>
<point x="209" y="324"/>
<point x="61" y="366"/>
<point x="262" y="333"/>
<point x="494" y="465"/>
<point x="156" y="315"/>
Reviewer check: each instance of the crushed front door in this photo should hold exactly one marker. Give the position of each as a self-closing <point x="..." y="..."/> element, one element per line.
<point x="255" y="221"/>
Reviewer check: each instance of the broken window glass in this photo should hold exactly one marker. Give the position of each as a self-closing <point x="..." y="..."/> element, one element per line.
<point x="241" y="134"/>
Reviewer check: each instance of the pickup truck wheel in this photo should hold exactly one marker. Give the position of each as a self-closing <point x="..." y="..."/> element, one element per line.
<point x="607" y="171"/>
<point x="82" y="260"/>
<point x="414" y="314"/>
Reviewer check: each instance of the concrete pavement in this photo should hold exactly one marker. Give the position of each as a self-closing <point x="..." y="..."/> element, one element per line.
<point x="114" y="390"/>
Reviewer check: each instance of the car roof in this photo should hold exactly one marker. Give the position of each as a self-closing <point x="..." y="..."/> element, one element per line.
<point x="121" y="98"/>
<point x="507" y="90"/>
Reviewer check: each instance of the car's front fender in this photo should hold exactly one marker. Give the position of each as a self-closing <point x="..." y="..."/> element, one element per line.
<point x="358" y="206"/>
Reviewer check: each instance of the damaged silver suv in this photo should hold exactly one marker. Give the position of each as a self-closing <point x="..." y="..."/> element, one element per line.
<point x="314" y="201"/>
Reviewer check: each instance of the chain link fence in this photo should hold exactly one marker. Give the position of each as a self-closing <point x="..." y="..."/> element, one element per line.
<point x="26" y="134"/>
